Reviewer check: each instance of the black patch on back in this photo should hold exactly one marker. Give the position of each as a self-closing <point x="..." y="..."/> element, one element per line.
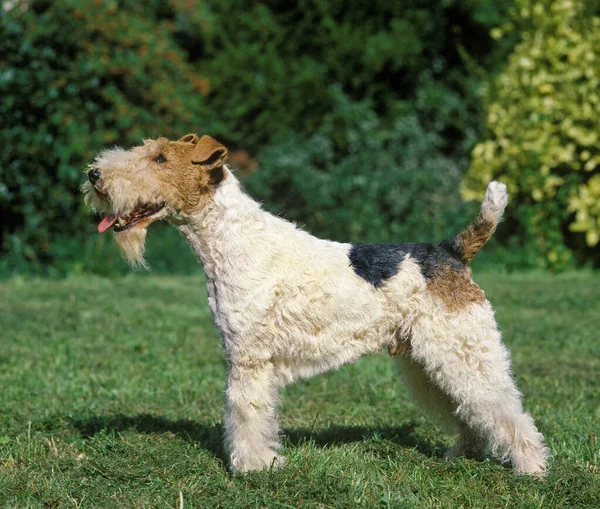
<point x="376" y="263"/>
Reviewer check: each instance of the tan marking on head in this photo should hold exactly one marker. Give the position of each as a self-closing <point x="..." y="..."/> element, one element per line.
<point x="454" y="289"/>
<point x="191" y="172"/>
<point x="188" y="138"/>
<point x="182" y="175"/>
<point x="209" y="153"/>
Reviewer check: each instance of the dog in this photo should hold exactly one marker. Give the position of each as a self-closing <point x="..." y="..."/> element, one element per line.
<point x="290" y="306"/>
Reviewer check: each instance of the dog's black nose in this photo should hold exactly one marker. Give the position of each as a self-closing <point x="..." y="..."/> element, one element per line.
<point x="94" y="175"/>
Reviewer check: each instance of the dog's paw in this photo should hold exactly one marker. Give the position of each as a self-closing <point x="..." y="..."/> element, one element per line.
<point x="266" y="461"/>
<point x="533" y="462"/>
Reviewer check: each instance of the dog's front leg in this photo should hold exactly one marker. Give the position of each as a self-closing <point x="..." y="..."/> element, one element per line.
<point x="251" y="429"/>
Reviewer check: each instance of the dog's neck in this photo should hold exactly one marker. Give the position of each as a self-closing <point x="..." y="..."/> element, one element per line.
<point x="222" y="234"/>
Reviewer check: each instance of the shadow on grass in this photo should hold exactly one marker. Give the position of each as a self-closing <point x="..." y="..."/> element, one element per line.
<point x="210" y="436"/>
<point x="402" y="435"/>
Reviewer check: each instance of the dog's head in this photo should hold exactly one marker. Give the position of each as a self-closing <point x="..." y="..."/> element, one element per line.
<point x="160" y="179"/>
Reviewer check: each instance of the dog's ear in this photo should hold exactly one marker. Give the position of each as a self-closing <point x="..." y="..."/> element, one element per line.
<point x="189" y="138"/>
<point x="209" y="153"/>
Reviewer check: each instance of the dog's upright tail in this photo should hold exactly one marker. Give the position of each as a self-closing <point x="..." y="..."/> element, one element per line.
<point x="468" y="243"/>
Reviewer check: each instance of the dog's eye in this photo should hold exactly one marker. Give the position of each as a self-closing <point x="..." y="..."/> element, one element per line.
<point x="160" y="159"/>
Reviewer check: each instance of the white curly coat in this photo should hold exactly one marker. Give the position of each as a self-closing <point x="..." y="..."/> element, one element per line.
<point x="290" y="306"/>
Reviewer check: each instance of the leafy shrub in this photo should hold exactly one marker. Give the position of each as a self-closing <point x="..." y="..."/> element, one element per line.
<point x="76" y="77"/>
<point x="79" y="75"/>
<point x="387" y="184"/>
<point x="363" y="114"/>
<point x="271" y="64"/>
<point x="544" y="124"/>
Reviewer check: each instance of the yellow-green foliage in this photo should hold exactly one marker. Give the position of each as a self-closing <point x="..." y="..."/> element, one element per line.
<point x="544" y="125"/>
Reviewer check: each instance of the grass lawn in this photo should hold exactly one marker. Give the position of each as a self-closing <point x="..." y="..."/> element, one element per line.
<point x="111" y="395"/>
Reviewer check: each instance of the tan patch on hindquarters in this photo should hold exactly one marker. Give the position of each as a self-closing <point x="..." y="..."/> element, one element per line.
<point x="454" y="289"/>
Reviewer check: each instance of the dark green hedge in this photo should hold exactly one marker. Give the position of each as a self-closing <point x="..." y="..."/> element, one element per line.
<point x="362" y="114"/>
<point x="388" y="184"/>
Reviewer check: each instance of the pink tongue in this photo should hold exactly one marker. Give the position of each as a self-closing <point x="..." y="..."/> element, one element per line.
<point x="107" y="222"/>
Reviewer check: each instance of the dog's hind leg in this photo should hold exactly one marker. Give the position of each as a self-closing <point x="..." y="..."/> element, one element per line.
<point x="472" y="366"/>
<point x="429" y="397"/>
<point x="251" y="429"/>
<point x="426" y="394"/>
<point x="470" y="444"/>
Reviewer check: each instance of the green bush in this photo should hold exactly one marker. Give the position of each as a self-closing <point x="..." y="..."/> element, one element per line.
<point x="271" y="64"/>
<point x="78" y="76"/>
<point x="363" y="115"/>
<point x="389" y="184"/>
<point x="544" y="123"/>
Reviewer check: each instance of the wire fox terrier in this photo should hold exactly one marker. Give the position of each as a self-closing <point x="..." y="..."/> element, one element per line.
<point x="289" y="305"/>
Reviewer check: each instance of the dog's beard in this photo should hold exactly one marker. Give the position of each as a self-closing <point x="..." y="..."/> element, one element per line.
<point x="90" y="197"/>
<point x="133" y="245"/>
